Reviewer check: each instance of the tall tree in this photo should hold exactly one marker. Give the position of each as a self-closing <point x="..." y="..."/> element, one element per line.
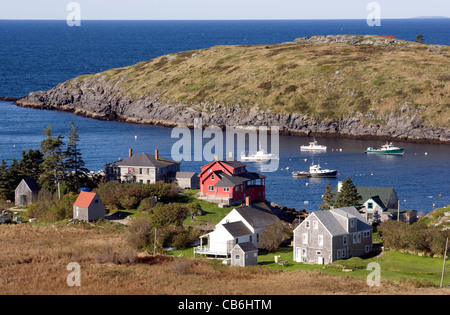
<point x="347" y="195"/>
<point x="74" y="163"/>
<point x="30" y="164"/>
<point x="52" y="166"/>
<point x="327" y="198"/>
<point x="4" y="189"/>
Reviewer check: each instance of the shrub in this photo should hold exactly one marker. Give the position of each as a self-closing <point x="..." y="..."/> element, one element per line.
<point x="140" y="233"/>
<point x="165" y="215"/>
<point x="271" y="238"/>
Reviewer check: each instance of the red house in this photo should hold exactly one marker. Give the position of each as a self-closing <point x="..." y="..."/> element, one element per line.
<point x="230" y="183"/>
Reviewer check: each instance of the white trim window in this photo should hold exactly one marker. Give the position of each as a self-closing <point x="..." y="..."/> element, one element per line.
<point x="315" y="225"/>
<point x="305" y="238"/>
<point x="320" y="240"/>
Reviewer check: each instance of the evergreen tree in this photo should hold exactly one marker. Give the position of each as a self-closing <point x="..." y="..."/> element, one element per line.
<point x="30" y="164"/>
<point x="327" y="198"/>
<point x="4" y="189"/>
<point x="13" y="179"/>
<point x="52" y="166"/>
<point x="348" y="195"/>
<point x="74" y="163"/>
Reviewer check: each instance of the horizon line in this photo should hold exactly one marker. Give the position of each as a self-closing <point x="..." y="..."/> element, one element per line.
<point x="249" y="19"/>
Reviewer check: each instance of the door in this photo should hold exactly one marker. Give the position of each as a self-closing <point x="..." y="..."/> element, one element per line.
<point x="298" y="254"/>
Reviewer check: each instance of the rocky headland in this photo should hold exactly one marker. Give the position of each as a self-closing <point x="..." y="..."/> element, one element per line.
<point x="365" y="87"/>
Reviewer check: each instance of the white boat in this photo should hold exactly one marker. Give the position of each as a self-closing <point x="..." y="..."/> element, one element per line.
<point x="314" y="146"/>
<point x="259" y="156"/>
<point x="317" y="171"/>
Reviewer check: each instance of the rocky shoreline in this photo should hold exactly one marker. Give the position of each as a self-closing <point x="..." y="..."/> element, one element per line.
<point x="95" y="101"/>
<point x="105" y="95"/>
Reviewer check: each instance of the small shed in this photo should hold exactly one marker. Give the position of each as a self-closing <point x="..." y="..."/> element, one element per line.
<point x="88" y="207"/>
<point x="244" y="254"/>
<point x="188" y="180"/>
<point x="26" y="192"/>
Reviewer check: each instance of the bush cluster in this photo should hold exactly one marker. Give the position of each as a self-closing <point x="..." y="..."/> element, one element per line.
<point x="417" y="237"/>
<point x="128" y="196"/>
<point x="49" y="208"/>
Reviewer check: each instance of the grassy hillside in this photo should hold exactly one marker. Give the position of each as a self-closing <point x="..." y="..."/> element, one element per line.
<point x="329" y="80"/>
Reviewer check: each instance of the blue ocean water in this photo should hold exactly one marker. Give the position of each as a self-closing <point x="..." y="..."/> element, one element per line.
<point x="37" y="55"/>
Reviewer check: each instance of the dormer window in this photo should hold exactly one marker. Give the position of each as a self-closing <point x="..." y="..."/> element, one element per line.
<point x="352" y="223"/>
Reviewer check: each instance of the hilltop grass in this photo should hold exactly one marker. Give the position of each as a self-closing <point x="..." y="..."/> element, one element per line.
<point x="321" y="80"/>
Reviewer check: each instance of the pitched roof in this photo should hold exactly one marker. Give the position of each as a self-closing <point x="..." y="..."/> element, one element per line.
<point x="257" y="216"/>
<point x="231" y="181"/>
<point x="329" y="219"/>
<point x="237" y="228"/>
<point x="185" y="174"/>
<point x="144" y="160"/>
<point x="246" y="247"/>
<point x="85" y="199"/>
<point x="32" y="184"/>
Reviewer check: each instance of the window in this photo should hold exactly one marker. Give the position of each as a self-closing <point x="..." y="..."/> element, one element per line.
<point x="307" y="224"/>
<point x="315" y="225"/>
<point x="352" y="222"/>
<point x="226" y="189"/>
<point x="237" y="188"/>
<point x="356" y="238"/>
<point x="366" y="234"/>
<point x="320" y="240"/>
<point x="367" y="248"/>
<point x="210" y="188"/>
<point x="305" y="238"/>
<point x="370" y="205"/>
<point x="344" y="253"/>
<point x="212" y="177"/>
<point x="339" y="254"/>
<point x="236" y="257"/>
<point x="344" y="240"/>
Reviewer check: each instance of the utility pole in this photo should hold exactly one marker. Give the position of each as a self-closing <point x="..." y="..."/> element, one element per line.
<point x="443" y="266"/>
<point x="154" y="245"/>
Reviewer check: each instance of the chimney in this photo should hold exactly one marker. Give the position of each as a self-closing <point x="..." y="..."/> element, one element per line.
<point x="130" y="152"/>
<point x="156" y="154"/>
<point x="216" y="157"/>
<point x="230" y="155"/>
<point x="248" y="201"/>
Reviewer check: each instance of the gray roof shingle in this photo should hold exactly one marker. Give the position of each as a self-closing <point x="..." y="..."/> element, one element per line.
<point x="144" y="160"/>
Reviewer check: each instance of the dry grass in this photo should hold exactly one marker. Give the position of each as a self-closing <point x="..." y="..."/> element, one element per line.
<point x="34" y="259"/>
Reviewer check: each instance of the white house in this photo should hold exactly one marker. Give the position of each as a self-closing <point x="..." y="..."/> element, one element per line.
<point x="241" y="225"/>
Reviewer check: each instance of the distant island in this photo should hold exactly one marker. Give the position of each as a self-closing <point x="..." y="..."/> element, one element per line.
<point x="356" y="86"/>
<point x="430" y="17"/>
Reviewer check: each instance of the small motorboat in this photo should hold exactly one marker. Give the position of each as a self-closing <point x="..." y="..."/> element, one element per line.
<point x="301" y="174"/>
<point x="259" y="156"/>
<point x="313" y="146"/>
<point x="317" y="172"/>
<point x="387" y="148"/>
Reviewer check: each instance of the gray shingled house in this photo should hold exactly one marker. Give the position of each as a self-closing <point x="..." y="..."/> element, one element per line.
<point x="326" y="236"/>
<point x="88" y="207"/>
<point x="26" y="192"/>
<point x="142" y="168"/>
<point x="188" y="180"/>
<point x="244" y="254"/>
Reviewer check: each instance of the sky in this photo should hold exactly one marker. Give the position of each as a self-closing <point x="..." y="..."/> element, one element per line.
<point x="220" y="9"/>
